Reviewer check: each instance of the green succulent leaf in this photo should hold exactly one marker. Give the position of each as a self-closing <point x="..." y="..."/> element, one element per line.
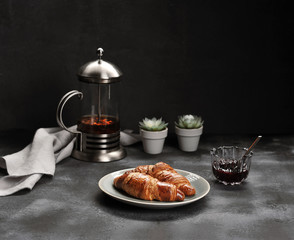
<point x="189" y="121"/>
<point x="153" y="124"/>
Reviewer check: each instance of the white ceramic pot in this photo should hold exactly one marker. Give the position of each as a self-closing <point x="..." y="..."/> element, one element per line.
<point x="188" y="139"/>
<point x="153" y="141"/>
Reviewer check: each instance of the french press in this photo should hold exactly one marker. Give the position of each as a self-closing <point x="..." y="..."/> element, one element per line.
<point x="98" y="127"/>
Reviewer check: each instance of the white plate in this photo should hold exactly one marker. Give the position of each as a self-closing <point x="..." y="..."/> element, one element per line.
<point x="199" y="183"/>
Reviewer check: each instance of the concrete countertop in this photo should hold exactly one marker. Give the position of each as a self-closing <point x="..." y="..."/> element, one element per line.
<point x="71" y="206"/>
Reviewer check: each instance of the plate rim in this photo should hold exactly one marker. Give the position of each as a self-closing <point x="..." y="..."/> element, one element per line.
<point x="154" y="204"/>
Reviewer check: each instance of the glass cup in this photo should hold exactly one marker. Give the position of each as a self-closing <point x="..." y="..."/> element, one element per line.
<point x="228" y="164"/>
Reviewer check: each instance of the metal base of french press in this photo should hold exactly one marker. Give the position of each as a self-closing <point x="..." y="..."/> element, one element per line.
<point x="100" y="156"/>
<point x="99" y="148"/>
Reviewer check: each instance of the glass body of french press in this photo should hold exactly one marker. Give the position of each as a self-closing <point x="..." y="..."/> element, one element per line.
<point x="98" y="127"/>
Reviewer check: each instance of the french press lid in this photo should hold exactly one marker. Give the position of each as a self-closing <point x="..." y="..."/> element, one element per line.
<point x="99" y="71"/>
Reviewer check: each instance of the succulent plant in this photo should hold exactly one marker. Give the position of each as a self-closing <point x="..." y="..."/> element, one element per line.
<point x="189" y="121"/>
<point x="153" y="124"/>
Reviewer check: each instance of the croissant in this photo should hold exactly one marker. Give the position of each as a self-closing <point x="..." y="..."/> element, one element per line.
<point x="165" y="173"/>
<point x="143" y="186"/>
<point x="147" y="169"/>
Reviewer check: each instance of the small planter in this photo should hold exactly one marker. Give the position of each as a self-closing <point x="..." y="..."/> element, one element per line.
<point x="188" y="139"/>
<point x="153" y="141"/>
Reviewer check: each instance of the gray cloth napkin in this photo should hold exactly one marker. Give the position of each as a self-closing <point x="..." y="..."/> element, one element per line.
<point x="49" y="147"/>
<point x="127" y="137"/>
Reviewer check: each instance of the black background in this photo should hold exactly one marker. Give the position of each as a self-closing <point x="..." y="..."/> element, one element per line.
<point x="230" y="62"/>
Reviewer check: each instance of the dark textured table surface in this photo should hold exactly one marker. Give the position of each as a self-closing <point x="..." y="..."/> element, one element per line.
<point x="71" y="206"/>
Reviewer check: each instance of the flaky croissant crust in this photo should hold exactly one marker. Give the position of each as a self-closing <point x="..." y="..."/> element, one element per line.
<point x="143" y="186"/>
<point x="165" y="173"/>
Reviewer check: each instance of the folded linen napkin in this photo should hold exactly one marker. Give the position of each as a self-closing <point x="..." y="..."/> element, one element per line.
<point x="49" y="147"/>
<point x="127" y="137"/>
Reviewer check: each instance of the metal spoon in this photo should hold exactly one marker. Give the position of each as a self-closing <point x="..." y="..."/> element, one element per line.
<point x="252" y="146"/>
<point x="248" y="151"/>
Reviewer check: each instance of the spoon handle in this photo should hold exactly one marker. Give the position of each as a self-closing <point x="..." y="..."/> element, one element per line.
<point x="252" y="145"/>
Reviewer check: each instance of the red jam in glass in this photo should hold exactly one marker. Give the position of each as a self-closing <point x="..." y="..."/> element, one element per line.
<point x="229" y="172"/>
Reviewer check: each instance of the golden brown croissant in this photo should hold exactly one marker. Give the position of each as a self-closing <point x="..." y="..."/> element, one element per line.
<point x="147" y="169"/>
<point x="165" y="173"/>
<point x="143" y="186"/>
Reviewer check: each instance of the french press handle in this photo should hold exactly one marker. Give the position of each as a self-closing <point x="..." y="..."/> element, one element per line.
<point x="60" y="107"/>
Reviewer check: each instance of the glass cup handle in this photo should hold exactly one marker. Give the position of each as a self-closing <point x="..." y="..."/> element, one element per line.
<point x="60" y="107"/>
